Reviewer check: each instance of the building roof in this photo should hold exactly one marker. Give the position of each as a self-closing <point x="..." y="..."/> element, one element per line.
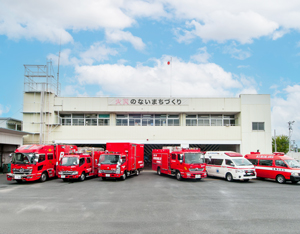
<point x="8" y="118"/>
<point x="14" y="132"/>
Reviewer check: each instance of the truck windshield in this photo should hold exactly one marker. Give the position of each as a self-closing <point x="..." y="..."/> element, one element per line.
<point x="69" y="161"/>
<point x="194" y="158"/>
<point x="292" y="163"/>
<point x="109" y="158"/>
<point x="24" y="158"/>
<point x="241" y="162"/>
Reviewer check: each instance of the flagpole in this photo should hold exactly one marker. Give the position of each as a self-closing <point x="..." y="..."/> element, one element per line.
<point x="171" y="80"/>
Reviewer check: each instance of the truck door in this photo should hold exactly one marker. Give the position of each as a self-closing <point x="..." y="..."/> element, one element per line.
<point x="89" y="165"/>
<point x="164" y="161"/>
<point x="133" y="155"/>
<point x="51" y="164"/>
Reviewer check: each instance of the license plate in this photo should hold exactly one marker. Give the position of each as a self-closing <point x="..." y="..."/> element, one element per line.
<point x="18" y="177"/>
<point x="107" y="175"/>
<point x="63" y="176"/>
<point x="197" y="176"/>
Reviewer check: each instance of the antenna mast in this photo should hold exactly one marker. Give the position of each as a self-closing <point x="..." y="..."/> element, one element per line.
<point x="58" y="69"/>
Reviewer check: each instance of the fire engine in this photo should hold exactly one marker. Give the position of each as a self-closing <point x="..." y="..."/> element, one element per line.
<point x="121" y="160"/>
<point x="179" y="162"/>
<point x="81" y="164"/>
<point x="276" y="166"/>
<point x="36" y="162"/>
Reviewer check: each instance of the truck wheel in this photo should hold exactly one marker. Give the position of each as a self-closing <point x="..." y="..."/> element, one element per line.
<point x="229" y="177"/>
<point x="137" y="172"/>
<point x="123" y="177"/>
<point x="19" y="181"/>
<point x="178" y="176"/>
<point x="158" y="171"/>
<point x="82" y="177"/>
<point x="43" y="177"/>
<point x="280" y="179"/>
<point x="103" y="178"/>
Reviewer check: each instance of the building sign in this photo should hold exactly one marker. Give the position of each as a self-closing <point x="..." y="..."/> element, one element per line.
<point x="147" y="102"/>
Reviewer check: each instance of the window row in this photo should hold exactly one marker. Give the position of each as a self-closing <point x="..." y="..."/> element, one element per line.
<point x="210" y="120"/>
<point x="147" y="120"/>
<point x="85" y="119"/>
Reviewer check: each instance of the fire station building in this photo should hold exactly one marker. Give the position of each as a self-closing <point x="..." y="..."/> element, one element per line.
<point x="241" y="124"/>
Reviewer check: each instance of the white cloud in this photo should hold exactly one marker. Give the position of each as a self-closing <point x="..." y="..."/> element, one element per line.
<point x="118" y="35"/>
<point x="98" y="52"/>
<point x="188" y="79"/>
<point x="285" y="109"/>
<point x="202" y="56"/>
<point x="3" y="109"/>
<point x="235" y="52"/>
<point x="218" y="20"/>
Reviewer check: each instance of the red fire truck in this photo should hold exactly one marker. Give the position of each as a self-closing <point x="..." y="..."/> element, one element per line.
<point x="81" y="164"/>
<point x="36" y="162"/>
<point x="121" y="160"/>
<point x="179" y="162"/>
<point x="276" y="166"/>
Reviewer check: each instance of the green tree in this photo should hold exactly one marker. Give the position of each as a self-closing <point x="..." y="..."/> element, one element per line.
<point x="282" y="143"/>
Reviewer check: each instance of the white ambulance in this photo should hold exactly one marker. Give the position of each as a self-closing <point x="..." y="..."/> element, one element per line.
<point x="229" y="165"/>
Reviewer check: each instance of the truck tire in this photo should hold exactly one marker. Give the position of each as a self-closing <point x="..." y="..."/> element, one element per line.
<point x="123" y="177"/>
<point x="43" y="177"/>
<point x="103" y="178"/>
<point x="158" y="171"/>
<point x="229" y="177"/>
<point x="137" y="172"/>
<point x="280" y="179"/>
<point x="82" y="177"/>
<point x="178" y="176"/>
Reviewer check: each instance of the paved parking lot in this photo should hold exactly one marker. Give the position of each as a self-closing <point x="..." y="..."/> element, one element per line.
<point x="149" y="204"/>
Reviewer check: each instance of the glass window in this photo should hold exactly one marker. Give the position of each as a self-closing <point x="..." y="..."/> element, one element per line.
<point x="88" y="160"/>
<point x="217" y="161"/>
<point x="280" y="163"/>
<point x="50" y="156"/>
<point x="122" y="122"/>
<point x="103" y="122"/>
<point x="228" y="162"/>
<point x="253" y="161"/>
<point x="91" y="122"/>
<point x="258" y="126"/>
<point x="173" y="156"/>
<point x="41" y="158"/>
<point x="264" y="162"/>
<point x="81" y="161"/>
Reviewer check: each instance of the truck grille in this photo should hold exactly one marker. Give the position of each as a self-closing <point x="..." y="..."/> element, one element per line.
<point x="66" y="172"/>
<point x="108" y="171"/>
<point x="22" y="171"/>
<point x="196" y="169"/>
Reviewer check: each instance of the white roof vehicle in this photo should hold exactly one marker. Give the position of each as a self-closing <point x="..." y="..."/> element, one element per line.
<point x="229" y="165"/>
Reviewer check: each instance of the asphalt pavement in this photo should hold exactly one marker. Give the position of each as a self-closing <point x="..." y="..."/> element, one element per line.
<point x="149" y="203"/>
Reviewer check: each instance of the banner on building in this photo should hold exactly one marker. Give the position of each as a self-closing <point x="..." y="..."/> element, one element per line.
<point x="148" y="102"/>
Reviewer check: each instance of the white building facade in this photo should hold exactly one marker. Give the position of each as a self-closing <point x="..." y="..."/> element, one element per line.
<point x="241" y="124"/>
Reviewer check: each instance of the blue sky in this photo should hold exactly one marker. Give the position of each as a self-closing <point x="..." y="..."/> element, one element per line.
<point x="121" y="48"/>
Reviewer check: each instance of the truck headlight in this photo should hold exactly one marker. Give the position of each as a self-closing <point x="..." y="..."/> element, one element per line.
<point x="118" y="170"/>
<point x="75" y="173"/>
<point x="60" y="172"/>
<point x="294" y="174"/>
<point x="239" y="171"/>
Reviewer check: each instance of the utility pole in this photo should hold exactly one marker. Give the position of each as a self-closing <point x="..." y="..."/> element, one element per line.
<point x="275" y="148"/>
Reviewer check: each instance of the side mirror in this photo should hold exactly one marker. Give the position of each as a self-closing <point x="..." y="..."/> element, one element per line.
<point x="96" y="161"/>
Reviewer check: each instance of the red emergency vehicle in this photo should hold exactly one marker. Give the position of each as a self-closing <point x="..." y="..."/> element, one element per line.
<point x="179" y="162"/>
<point x="36" y="162"/>
<point x="121" y="160"/>
<point x="81" y="164"/>
<point x="275" y="166"/>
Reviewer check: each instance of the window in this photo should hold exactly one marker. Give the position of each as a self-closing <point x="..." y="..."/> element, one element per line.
<point x="103" y="120"/>
<point x="280" y="163"/>
<point x="78" y="119"/>
<point x="91" y="120"/>
<point x="210" y="120"/>
<point x="173" y="120"/>
<point x="66" y="119"/>
<point x="88" y="160"/>
<point x="264" y="162"/>
<point x="258" y="126"/>
<point x="173" y="156"/>
<point x="81" y="161"/>
<point x="214" y="161"/>
<point x="41" y="158"/>
<point x="228" y="162"/>
<point x="253" y="161"/>
<point x="50" y="156"/>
